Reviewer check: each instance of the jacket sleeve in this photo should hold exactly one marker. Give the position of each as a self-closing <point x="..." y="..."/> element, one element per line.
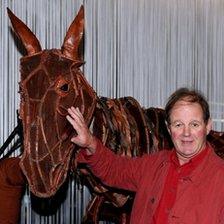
<point x="114" y="170"/>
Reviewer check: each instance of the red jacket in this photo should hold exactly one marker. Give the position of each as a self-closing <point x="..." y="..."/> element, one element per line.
<point x="200" y="196"/>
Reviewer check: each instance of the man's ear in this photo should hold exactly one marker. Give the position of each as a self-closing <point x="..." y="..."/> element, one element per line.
<point x="209" y="126"/>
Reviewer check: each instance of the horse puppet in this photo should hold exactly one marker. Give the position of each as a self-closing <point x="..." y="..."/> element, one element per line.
<point x="51" y="82"/>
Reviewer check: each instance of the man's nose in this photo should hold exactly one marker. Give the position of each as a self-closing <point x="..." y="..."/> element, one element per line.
<point x="186" y="131"/>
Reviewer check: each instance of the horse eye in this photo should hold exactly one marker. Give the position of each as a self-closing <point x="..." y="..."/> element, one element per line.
<point x="64" y="88"/>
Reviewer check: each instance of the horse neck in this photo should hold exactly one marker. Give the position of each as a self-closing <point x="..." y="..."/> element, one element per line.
<point x="128" y="129"/>
<point x="121" y="125"/>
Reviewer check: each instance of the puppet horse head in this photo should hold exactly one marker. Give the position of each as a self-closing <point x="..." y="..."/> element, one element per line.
<point x="51" y="82"/>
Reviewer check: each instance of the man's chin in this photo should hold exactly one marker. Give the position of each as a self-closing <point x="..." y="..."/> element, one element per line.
<point x="187" y="153"/>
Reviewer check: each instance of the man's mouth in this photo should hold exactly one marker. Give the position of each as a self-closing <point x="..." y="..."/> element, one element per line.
<point x="186" y="142"/>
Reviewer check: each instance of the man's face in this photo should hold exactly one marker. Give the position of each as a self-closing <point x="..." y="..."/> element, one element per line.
<point x="188" y="129"/>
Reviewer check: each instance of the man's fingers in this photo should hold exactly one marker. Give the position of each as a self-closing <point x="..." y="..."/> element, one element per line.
<point x="73" y="115"/>
<point x="76" y="114"/>
<point x="72" y="122"/>
<point x="79" y="114"/>
<point x="72" y="112"/>
<point x="75" y="121"/>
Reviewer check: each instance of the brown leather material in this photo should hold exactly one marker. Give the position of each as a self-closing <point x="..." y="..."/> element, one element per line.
<point x="11" y="190"/>
<point x="74" y="35"/>
<point x="159" y="135"/>
<point x="29" y="40"/>
<point x="216" y="139"/>
<point x="51" y="82"/>
<point x="140" y="130"/>
<point x="47" y="133"/>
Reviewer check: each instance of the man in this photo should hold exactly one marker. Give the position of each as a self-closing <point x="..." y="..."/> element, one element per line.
<point x="184" y="185"/>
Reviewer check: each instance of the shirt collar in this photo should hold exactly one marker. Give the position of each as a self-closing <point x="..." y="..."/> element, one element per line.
<point x="187" y="168"/>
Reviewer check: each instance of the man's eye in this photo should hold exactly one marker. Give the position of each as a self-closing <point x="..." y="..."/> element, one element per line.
<point x="195" y="125"/>
<point x="177" y="125"/>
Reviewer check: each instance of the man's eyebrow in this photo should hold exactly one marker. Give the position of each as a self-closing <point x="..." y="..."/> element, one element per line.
<point x="175" y="121"/>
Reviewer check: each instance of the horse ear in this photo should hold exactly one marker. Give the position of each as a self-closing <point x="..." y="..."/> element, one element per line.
<point x="27" y="37"/>
<point x="74" y="35"/>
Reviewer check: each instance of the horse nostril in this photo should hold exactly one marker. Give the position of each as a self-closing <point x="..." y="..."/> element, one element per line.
<point x="62" y="110"/>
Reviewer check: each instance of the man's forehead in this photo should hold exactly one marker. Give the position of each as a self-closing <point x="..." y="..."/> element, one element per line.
<point x="194" y="107"/>
<point x="185" y="103"/>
